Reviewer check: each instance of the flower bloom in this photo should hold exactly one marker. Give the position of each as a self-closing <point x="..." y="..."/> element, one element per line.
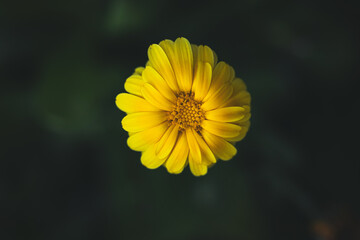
<point x="184" y="107"/>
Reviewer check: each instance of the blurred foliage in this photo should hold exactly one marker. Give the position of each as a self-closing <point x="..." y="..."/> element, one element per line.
<point x="66" y="172"/>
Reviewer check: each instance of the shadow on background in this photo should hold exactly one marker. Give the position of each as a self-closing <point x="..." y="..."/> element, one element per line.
<point x="67" y="172"/>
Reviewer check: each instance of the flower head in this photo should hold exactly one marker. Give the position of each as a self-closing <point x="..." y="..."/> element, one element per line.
<point x="184" y="107"/>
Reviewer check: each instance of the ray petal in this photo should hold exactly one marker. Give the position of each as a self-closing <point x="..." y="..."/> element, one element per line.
<point x="205" y="54"/>
<point x="130" y="103"/>
<point x="154" y="78"/>
<point x="184" y="68"/>
<point x="133" y="84"/>
<point x="198" y="169"/>
<point x="221" y="75"/>
<point x="150" y="160"/>
<point x="202" y="80"/>
<point x="207" y="155"/>
<point x="160" y="62"/>
<point x="139" y="70"/>
<point x="221" y="129"/>
<point x="177" y="159"/>
<point x="239" y="99"/>
<point x="239" y="85"/>
<point x="244" y="129"/>
<point x="140" y="141"/>
<point x="220" y="147"/>
<point x="167" y="142"/>
<point x="219" y="98"/>
<point x="181" y="59"/>
<point x="154" y="97"/>
<point x="194" y="148"/>
<point x="227" y="114"/>
<point x="140" y="121"/>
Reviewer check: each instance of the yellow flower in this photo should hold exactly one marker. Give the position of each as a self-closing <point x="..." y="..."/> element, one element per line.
<point x="184" y="107"/>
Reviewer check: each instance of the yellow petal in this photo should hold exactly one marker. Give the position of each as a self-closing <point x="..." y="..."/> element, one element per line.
<point x="130" y="103"/>
<point x="167" y="141"/>
<point x="150" y="160"/>
<point x="227" y="114"/>
<point x="239" y="85"/>
<point x="215" y="59"/>
<point x="202" y="80"/>
<point x="168" y="47"/>
<point x="194" y="148"/>
<point x="221" y="129"/>
<point x="133" y="84"/>
<point x="139" y="70"/>
<point x="198" y="169"/>
<point x="154" y="97"/>
<point x="220" y="76"/>
<point x="140" y="121"/>
<point x="184" y="67"/>
<point x="177" y="159"/>
<point x="232" y="74"/>
<point x="244" y="97"/>
<point x="244" y="119"/>
<point x="220" y="147"/>
<point x="239" y="99"/>
<point x="195" y="49"/>
<point x="219" y="98"/>
<point x="247" y="108"/>
<point x="154" y="78"/>
<point x="202" y="54"/>
<point x="207" y="156"/>
<point x="140" y="141"/>
<point x="148" y="63"/>
<point x="244" y="129"/>
<point x="205" y="54"/>
<point x="160" y="62"/>
<point x="181" y="59"/>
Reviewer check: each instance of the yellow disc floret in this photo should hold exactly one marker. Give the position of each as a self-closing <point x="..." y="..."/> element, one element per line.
<point x="187" y="112"/>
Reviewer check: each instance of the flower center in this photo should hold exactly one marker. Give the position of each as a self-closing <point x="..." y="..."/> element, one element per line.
<point x="187" y="112"/>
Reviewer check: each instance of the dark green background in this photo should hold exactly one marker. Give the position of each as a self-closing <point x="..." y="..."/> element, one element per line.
<point x="67" y="173"/>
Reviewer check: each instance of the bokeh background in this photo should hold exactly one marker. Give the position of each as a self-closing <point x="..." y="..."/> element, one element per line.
<point x="67" y="173"/>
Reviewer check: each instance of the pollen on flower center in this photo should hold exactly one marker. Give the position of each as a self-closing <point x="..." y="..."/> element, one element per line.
<point x="187" y="112"/>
